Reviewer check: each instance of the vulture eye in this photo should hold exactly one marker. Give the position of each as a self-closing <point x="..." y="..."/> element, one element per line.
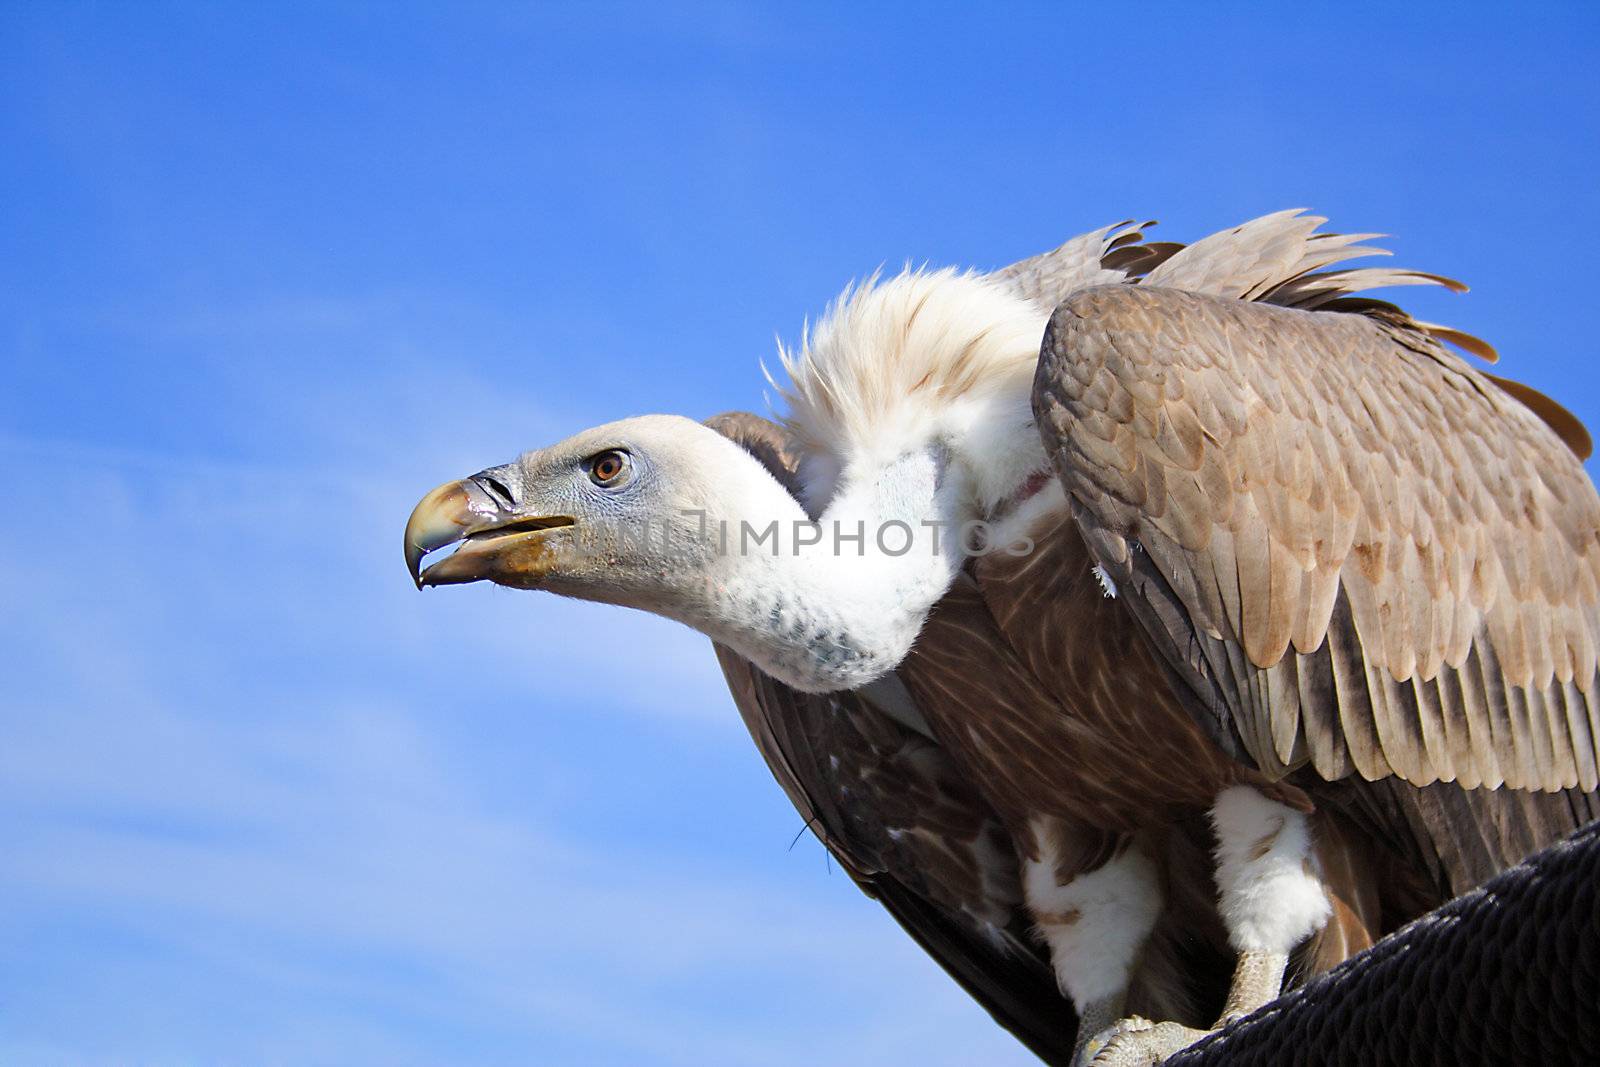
<point x="608" y="468"/>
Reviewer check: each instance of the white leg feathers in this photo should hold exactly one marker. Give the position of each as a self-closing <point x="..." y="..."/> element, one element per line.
<point x="1096" y="925"/>
<point x="1272" y="896"/>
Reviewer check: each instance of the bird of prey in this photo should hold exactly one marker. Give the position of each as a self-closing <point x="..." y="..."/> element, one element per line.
<point x="1155" y="619"/>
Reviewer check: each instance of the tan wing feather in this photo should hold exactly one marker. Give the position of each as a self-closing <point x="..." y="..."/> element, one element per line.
<point x="1355" y="462"/>
<point x="1102" y="257"/>
<point x="1558" y="418"/>
<point x="1259" y="257"/>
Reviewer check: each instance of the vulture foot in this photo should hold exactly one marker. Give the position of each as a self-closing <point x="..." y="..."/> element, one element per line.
<point x="1138" y="1042"/>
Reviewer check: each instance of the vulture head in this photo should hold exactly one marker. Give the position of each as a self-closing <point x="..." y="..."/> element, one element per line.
<point x="611" y="514"/>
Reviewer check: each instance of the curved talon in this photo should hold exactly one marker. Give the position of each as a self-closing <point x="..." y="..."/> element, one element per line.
<point x="1089" y="1051"/>
<point x="1138" y="1042"/>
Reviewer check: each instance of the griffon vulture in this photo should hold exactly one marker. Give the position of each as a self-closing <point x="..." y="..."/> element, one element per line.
<point x="1172" y="604"/>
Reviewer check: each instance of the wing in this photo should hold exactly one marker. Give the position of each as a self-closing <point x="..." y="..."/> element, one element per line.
<point x="1359" y="554"/>
<point x="891" y="807"/>
<point x="1106" y="256"/>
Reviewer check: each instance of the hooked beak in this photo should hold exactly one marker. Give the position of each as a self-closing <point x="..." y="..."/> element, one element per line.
<point x="499" y="544"/>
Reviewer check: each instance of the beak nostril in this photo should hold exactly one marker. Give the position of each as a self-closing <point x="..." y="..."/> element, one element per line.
<point x="498" y="490"/>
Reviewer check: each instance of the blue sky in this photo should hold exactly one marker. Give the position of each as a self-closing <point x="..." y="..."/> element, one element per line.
<point x="268" y="273"/>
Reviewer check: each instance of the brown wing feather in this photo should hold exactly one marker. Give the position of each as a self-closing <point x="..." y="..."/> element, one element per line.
<point x="889" y="806"/>
<point x="1384" y="517"/>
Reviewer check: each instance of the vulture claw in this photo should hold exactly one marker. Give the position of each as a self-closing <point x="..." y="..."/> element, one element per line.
<point x="1138" y="1042"/>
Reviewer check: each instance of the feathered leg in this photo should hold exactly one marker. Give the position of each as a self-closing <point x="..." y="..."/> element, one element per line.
<point x="1272" y="898"/>
<point x="1095" y="922"/>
